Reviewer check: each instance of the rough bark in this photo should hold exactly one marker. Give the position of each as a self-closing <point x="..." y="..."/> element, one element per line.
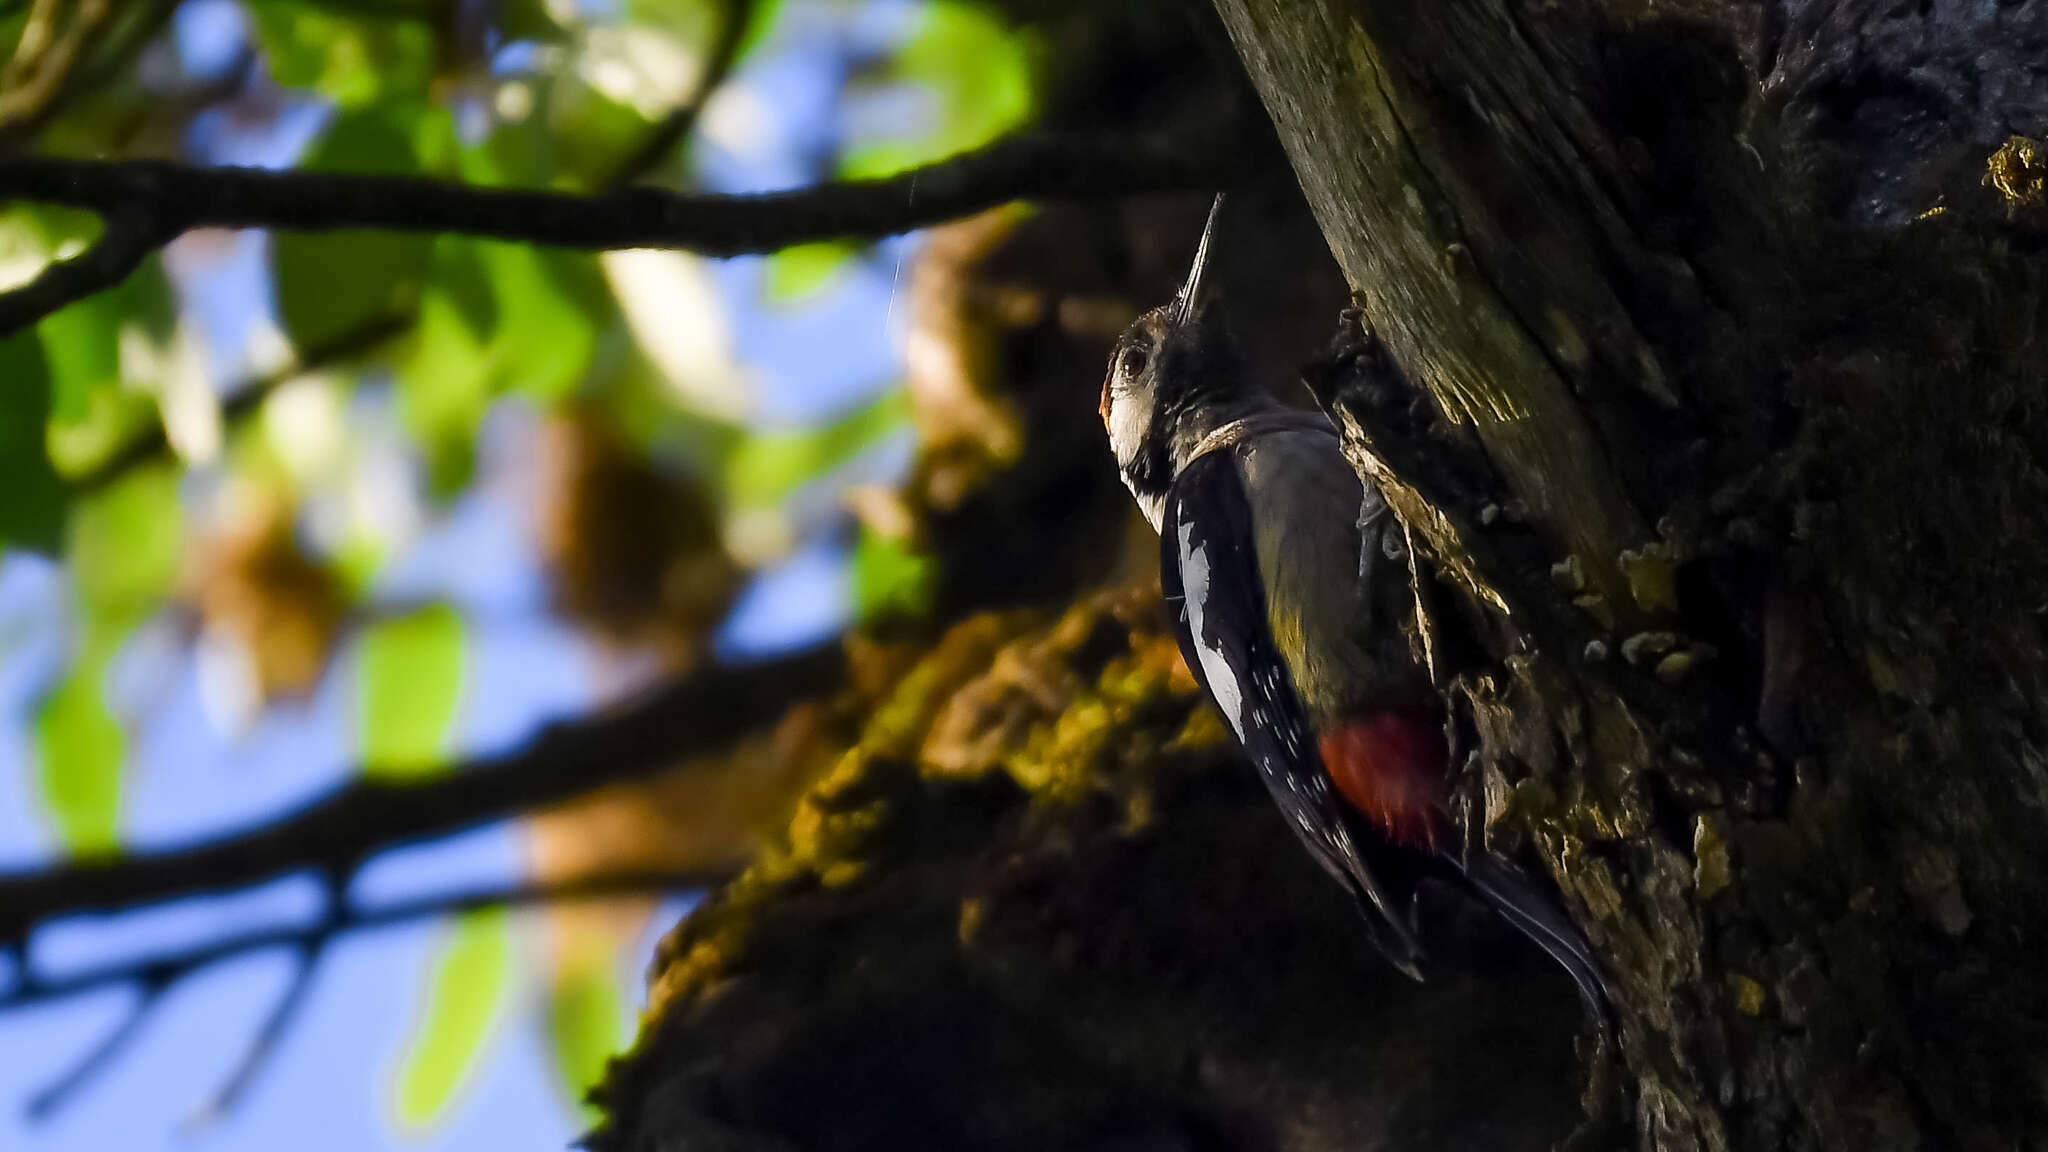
<point x="1782" y="749"/>
<point x="1722" y="454"/>
<point x="1038" y="904"/>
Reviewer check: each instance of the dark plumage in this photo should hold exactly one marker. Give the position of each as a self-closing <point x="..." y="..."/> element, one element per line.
<point x="1289" y="617"/>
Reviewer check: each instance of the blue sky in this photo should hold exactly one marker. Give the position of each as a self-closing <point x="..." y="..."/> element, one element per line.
<point x="330" y="1085"/>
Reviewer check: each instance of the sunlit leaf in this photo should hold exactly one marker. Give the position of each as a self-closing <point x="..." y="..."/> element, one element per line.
<point x="32" y="510"/>
<point x="890" y="578"/>
<point x="646" y="67"/>
<point x="124" y="547"/>
<point x="80" y="749"/>
<point x="806" y="269"/>
<point x="760" y="25"/>
<point x="673" y="13"/>
<point x="444" y="380"/>
<point x="588" y="132"/>
<point x="586" y="1008"/>
<point x="700" y="18"/>
<point x="977" y="70"/>
<point x="527" y="20"/>
<point x="332" y="283"/>
<point x="766" y="466"/>
<point x="673" y="308"/>
<point x="102" y="353"/>
<point x="409" y="675"/>
<point x="464" y="997"/>
<point x="353" y="58"/>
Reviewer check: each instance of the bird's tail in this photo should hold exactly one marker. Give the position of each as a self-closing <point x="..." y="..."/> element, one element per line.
<point x="1504" y="886"/>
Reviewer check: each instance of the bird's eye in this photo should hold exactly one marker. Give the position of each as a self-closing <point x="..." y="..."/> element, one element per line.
<point x="1132" y="361"/>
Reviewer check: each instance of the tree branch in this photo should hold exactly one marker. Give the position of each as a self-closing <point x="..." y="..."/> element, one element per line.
<point x="52" y="1097"/>
<point x="567" y="759"/>
<point x="131" y="235"/>
<point x="276" y="1025"/>
<point x="151" y="441"/>
<point x="46" y="59"/>
<point x="156" y="975"/>
<point x="178" y="198"/>
<point x="170" y="967"/>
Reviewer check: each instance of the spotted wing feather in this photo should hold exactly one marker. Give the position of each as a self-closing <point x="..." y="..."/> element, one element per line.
<point x="1209" y="567"/>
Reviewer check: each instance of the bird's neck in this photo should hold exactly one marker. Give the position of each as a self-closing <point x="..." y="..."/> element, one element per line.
<point x="1215" y="425"/>
<point x="1226" y="422"/>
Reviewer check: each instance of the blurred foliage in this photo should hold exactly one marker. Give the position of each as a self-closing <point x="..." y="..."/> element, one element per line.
<point x="240" y="454"/>
<point x="410" y="674"/>
<point x="464" y="998"/>
<point x="329" y="283"/>
<point x="33" y="512"/>
<point x="585" y="1007"/>
<point x="977" y="73"/>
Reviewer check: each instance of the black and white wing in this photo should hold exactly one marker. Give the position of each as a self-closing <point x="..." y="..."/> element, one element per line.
<point x="1209" y="566"/>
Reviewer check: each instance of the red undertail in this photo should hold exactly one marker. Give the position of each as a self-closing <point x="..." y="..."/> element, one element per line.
<point x="1391" y="768"/>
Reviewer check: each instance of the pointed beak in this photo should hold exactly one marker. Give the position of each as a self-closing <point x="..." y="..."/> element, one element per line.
<point x="1193" y="294"/>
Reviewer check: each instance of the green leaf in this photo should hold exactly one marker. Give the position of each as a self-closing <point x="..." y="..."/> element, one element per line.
<point x="332" y="283"/>
<point x="98" y="352"/>
<point x="889" y="578"/>
<point x="527" y="20"/>
<point x="409" y="677"/>
<point x="465" y="996"/>
<point x="586" y="1011"/>
<point x="80" y="749"/>
<point x="444" y="380"/>
<point x="766" y="466"/>
<point x="977" y="70"/>
<point x="549" y="305"/>
<point x="700" y="19"/>
<point x="760" y="25"/>
<point x="591" y="132"/>
<point x="806" y="269"/>
<point x="693" y="21"/>
<point x="125" y="545"/>
<point x="32" y="510"/>
<point x="352" y="58"/>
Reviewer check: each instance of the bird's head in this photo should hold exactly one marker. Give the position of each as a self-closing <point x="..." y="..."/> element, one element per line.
<point x="1169" y="365"/>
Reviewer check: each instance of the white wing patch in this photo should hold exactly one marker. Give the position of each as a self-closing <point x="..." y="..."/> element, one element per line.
<point x="1194" y="578"/>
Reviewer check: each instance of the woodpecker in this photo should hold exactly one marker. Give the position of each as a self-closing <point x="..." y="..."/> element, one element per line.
<point x="1289" y="616"/>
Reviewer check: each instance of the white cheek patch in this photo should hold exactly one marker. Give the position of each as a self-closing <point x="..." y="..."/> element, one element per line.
<point x="1127" y="420"/>
<point x="1223" y="685"/>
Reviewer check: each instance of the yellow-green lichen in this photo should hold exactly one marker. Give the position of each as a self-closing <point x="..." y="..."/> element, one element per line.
<point x="1747" y="994"/>
<point x="1652" y="581"/>
<point x="2018" y="171"/>
<point x="1710" y="871"/>
<point x="1058" y="706"/>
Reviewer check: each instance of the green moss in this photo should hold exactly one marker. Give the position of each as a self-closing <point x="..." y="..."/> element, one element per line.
<point x="1061" y="711"/>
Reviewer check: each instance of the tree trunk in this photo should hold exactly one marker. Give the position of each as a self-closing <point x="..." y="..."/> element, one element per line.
<point x="1701" y="362"/>
<point x="1764" y="605"/>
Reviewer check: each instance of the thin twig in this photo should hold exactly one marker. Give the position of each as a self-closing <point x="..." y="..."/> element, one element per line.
<point x="734" y="18"/>
<point x="699" y="713"/>
<point x="165" y="969"/>
<point x="131" y="235"/>
<point x="151" y="440"/>
<point x="46" y="59"/>
<point x="179" y="197"/>
<point x="263" y="1046"/>
<point x="306" y="964"/>
<point x="52" y="1098"/>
